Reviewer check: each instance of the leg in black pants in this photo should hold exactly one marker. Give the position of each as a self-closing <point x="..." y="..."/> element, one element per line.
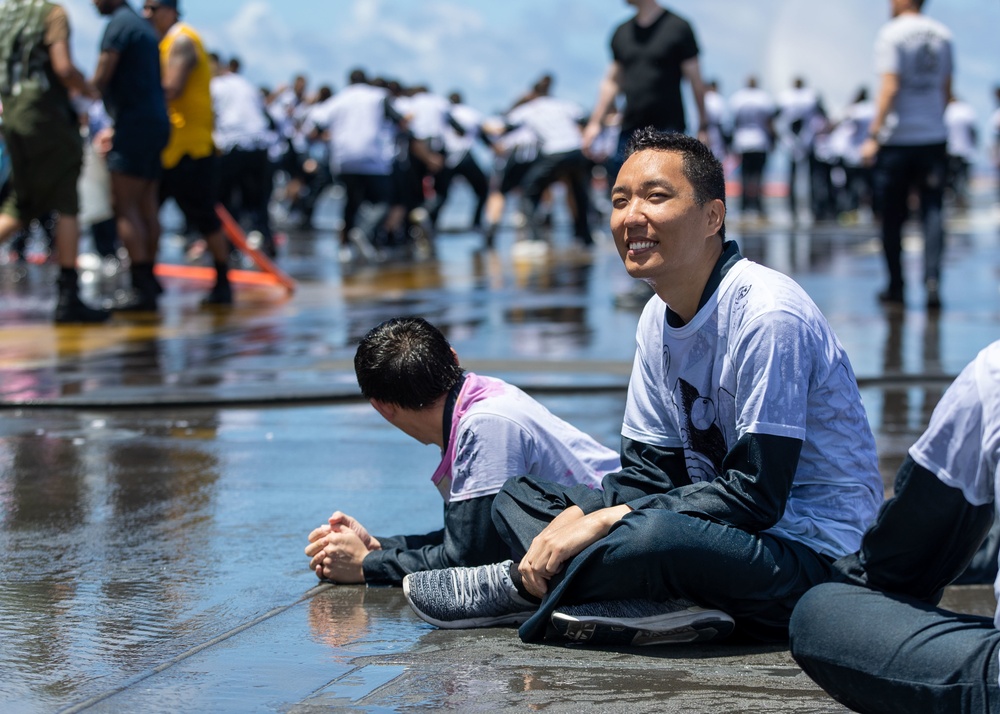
<point x="876" y="652"/>
<point x="661" y="555"/>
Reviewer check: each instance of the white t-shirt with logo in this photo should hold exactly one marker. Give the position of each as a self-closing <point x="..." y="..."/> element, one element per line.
<point x="761" y="358"/>
<point x="918" y="50"/>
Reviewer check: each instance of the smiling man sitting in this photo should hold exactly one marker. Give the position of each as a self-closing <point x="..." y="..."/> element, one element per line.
<point x="748" y="462"/>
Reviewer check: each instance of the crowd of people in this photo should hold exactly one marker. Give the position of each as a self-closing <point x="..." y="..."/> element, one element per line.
<point x="210" y="136"/>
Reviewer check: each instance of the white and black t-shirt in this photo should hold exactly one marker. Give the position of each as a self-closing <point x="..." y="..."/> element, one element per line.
<point x="759" y="357"/>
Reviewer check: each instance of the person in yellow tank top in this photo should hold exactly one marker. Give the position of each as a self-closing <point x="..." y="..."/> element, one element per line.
<point x="189" y="163"/>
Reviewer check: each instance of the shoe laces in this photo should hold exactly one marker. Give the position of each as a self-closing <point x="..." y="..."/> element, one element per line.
<point x="482" y="585"/>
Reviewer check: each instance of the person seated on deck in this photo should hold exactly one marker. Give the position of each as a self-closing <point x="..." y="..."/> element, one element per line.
<point x="875" y="640"/>
<point x="748" y="462"/>
<point x="487" y="430"/>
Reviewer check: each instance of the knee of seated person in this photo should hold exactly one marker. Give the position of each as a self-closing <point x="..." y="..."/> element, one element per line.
<point x="659" y="530"/>
<point x="815" y="616"/>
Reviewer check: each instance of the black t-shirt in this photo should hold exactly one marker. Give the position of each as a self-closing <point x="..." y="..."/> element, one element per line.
<point x="134" y="92"/>
<point x="651" y="59"/>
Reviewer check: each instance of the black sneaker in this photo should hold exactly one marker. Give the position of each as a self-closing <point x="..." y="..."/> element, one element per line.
<point x="138" y="302"/>
<point x="891" y="296"/>
<point x="73" y="310"/>
<point x="221" y="294"/>
<point x="459" y="598"/>
<point x="933" y="295"/>
<point x="641" y="622"/>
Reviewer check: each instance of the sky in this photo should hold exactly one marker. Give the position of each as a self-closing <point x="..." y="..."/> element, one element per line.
<point x="493" y="50"/>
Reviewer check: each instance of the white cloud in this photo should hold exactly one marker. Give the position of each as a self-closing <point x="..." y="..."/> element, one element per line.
<point x="264" y="42"/>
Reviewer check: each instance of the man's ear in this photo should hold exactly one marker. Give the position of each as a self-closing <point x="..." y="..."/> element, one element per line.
<point x="387" y="410"/>
<point x="716" y="215"/>
<point x="454" y="354"/>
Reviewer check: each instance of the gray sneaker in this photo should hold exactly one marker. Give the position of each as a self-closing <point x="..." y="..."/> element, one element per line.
<point x="457" y="598"/>
<point x="640" y="622"/>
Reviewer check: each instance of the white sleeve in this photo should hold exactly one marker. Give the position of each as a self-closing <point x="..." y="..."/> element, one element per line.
<point x="951" y="446"/>
<point x="886" y="55"/>
<point x="646" y="415"/>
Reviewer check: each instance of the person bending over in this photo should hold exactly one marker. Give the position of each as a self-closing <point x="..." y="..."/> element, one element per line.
<point x="487" y="430"/>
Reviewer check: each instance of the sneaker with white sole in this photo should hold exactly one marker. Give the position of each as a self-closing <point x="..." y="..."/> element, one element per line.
<point x="640" y="622"/>
<point x="458" y="598"/>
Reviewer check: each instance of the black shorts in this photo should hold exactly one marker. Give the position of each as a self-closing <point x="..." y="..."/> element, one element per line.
<point x="136" y="148"/>
<point x="45" y="166"/>
<point x="194" y="185"/>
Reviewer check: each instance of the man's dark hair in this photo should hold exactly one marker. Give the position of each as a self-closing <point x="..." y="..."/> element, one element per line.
<point x="700" y="167"/>
<point x="406" y="361"/>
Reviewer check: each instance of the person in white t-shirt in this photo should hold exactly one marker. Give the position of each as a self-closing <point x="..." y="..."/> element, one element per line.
<point x="717" y="120"/>
<point x="876" y="640"/>
<point x="487" y="430"/>
<point x="963" y="139"/>
<point x="361" y="125"/>
<point x="558" y="124"/>
<point x="907" y="139"/>
<point x="463" y="130"/>
<point x="753" y="112"/>
<point x="748" y="462"/>
<point x="242" y="136"/>
<point x="796" y="123"/>
<point x="849" y="134"/>
<point x="995" y="128"/>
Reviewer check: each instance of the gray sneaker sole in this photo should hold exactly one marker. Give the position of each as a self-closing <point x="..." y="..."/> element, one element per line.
<point x="694" y="625"/>
<point x="515" y="618"/>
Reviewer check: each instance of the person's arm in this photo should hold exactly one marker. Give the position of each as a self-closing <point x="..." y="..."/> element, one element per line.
<point x="181" y="61"/>
<point x="691" y="69"/>
<point x="468" y="538"/>
<point x="562" y="539"/>
<point x="107" y="63"/>
<point x="646" y="469"/>
<point x="608" y="91"/>
<point x="922" y="539"/>
<point x="887" y="91"/>
<point x="750" y="493"/>
<point x="63" y="67"/>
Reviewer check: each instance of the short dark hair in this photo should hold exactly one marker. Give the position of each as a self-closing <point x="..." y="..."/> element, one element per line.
<point x="406" y="361"/>
<point x="698" y="163"/>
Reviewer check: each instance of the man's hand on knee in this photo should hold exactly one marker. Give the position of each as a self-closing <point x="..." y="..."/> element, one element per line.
<point x="560" y="541"/>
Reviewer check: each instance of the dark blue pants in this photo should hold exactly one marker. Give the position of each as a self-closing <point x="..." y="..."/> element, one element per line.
<point x="898" y="170"/>
<point x="876" y="652"/>
<point x="662" y="555"/>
